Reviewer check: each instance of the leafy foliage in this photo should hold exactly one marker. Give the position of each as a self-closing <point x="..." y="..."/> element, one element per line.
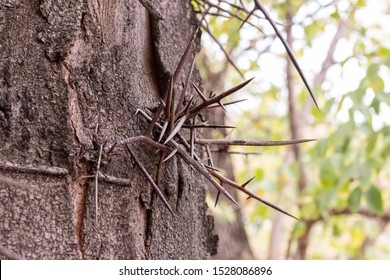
<point x="347" y="171"/>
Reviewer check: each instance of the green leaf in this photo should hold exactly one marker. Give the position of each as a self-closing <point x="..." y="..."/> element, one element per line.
<point x="321" y="147"/>
<point x="259" y="173"/>
<point x="374" y="200"/>
<point x="344" y="148"/>
<point x="299" y="230"/>
<point x="375" y="104"/>
<point x="337" y="230"/>
<point x="361" y="3"/>
<point x="357" y="236"/>
<point x="354" y="199"/>
<point x="384" y="52"/>
<point x="366" y="170"/>
<point x="357" y="95"/>
<point x="377" y="84"/>
<point x="341" y="103"/>
<point x="372" y="71"/>
<point x="231" y="26"/>
<point x="327" y="173"/>
<point x="335" y="15"/>
<point x="325" y="198"/>
<point x="311" y="30"/>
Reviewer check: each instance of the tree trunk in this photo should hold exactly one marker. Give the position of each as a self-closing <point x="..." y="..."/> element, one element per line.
<point x="72" y="75"/>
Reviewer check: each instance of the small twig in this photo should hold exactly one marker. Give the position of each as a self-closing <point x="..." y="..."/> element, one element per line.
<point x="202" y="170"/>
<point x="244" y="190"/>
<point x="193" y="112"/>
<point x="287" y="47"/>
<point x="229" y="59"/>
<point x="241" y="8"/>
<point x="329" y="60"/>
<point x="212" y="14"/>
<point x="385" y="217"/>
<point x="114" y="180"/>
<point x="247" y="18"/>
<point x="40" y="169"/>
<point x="231" y="14"/>
<point x="144" y="139"/>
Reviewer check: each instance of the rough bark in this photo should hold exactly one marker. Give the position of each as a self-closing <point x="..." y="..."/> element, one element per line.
<point x="72" y="75"/>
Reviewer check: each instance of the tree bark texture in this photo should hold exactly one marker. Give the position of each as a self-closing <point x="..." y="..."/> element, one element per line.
<point x="72" y="75"/>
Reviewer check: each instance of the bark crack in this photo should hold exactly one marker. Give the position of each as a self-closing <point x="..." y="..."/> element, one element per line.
<point x="79" y="183"/>
<point x="160" y="73"/>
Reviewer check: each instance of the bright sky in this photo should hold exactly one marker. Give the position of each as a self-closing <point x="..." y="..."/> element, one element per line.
<point x="340" y="80"/>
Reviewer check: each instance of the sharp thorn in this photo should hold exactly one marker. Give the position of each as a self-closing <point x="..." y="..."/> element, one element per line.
<point x="149" y="178"/>
<point x="164" y="128"/>
<point x="170" y="155"/>
<point x="247" y="182"/>
<point x="176" y="130"/>
<point x="199" y="92"/>
<point x="216" y="199"/>
<point x="229" y="134"/>
<point x="288" y="49"/>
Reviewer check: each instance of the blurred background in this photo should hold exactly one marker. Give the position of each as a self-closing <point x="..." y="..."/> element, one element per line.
<point x="339" y="185"/>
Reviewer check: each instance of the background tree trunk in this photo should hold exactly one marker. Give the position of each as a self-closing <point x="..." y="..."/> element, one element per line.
<point x="72" y="75"/>
<point x="233" y="240"/>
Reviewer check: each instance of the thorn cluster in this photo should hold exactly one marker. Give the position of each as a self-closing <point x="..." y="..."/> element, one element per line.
<point x="172" y="118"/>
<point x="179" y="112"/>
